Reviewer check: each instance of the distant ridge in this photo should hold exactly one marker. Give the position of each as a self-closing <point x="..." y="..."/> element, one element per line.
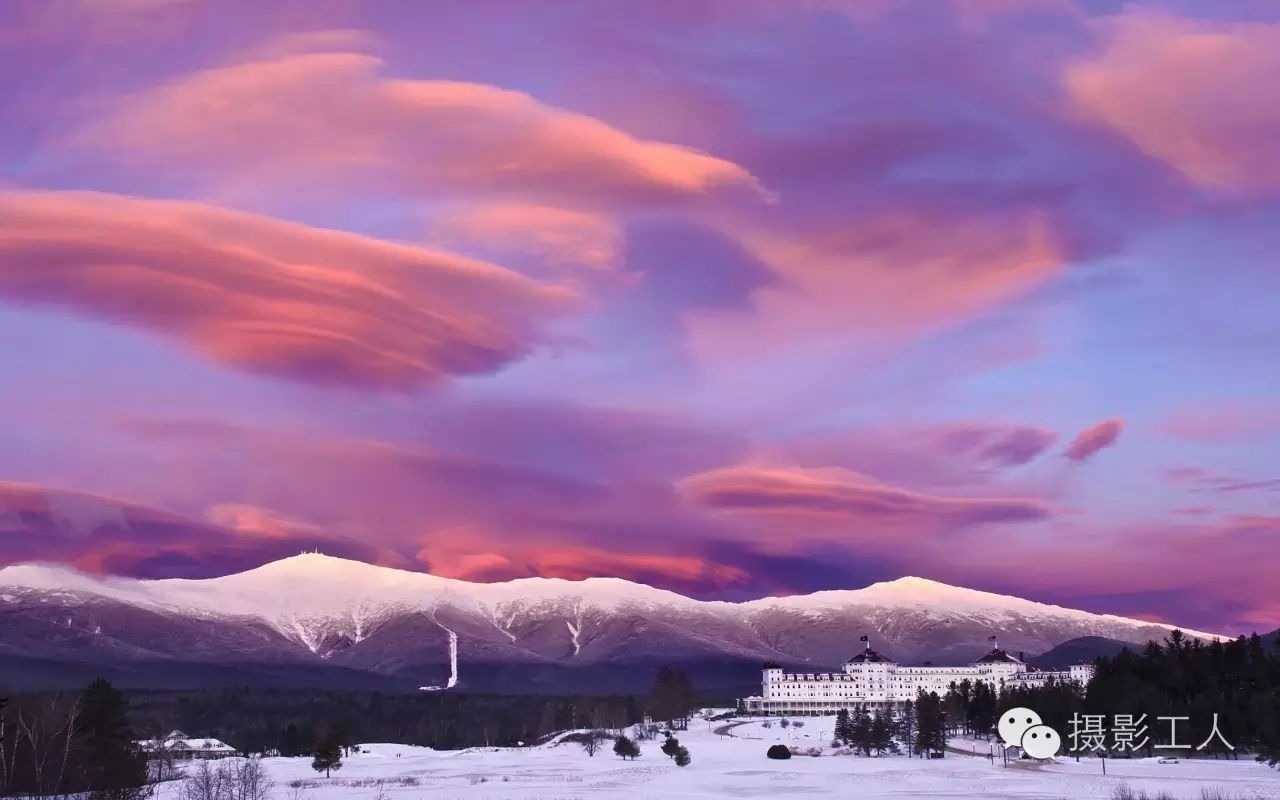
<point x="1079" y="651"/>
<point x="324" y="620"/>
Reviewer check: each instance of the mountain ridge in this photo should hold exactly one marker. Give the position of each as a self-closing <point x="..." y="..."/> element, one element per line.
<point x="530" y="634"/>
<point x="304" y="566"/>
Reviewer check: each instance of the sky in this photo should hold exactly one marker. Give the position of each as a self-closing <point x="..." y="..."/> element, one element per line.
<point x="732" y="298"/>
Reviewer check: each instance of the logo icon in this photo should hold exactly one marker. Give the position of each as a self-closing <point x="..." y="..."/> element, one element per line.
<point x="1022" y="727"/>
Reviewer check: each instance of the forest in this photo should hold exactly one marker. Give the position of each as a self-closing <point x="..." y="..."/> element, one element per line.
<point x="290" y="722"/>
<point x="1236" y="682"/>
<point x="1224" y="699"/>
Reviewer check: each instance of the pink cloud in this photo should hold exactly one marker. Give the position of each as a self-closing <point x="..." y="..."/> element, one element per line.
<point x="847" y="495"/>
<point x="332" y="113"/>
<point x="947" y="454"/>
<point x="1186" y="92"/>
<point x="1093" y="439"/>
<point x="1182" y="564"/>
<point x="258" y="521"/>
<point x="559" y="236"/>
<point x="877" y="276"/>
<point x="1204" y="480"/>
<point x="268" y="296"/>
<point x="102" y="533"/>
<point x="996" y="445"/>
<point x="371" y="490"/>
<point x="469" y="553"/>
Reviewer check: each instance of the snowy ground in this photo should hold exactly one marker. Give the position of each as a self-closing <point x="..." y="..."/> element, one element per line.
<point x="732" y="764"/>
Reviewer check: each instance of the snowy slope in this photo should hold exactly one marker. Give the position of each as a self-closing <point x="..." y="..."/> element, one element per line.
<point x="438" y="632"/>
<point x="728" y="761"/>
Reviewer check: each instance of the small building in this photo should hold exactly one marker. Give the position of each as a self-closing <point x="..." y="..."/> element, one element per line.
<point x="177" y="746"/>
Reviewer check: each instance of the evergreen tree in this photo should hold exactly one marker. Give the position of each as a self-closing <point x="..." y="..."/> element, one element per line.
<point x="112" y="766"/>
<point x="844" y="727"/>
<point x="955" y="705"/>
<point x="682" y="757"/>
<point x="625" y="748"/>
<point x="670" y="746"/>
<point x="982" y="709"/>
<point x="328" y="756"/>
<point x="931" y="736"/>
<point x="880" y="734"/>
<point x="906" y="728"/>
<point x="861" y="730"/>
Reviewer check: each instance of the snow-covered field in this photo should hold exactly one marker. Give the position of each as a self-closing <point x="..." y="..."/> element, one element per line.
<point x="732" y="764"/>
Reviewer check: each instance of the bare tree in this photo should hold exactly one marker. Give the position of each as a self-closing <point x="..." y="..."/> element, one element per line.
<point x="162" y="764"/>
<point x="247" y="779"/>
<point x="203" y="782"/>
<point x="233" y="779"/>
<point x="35" y="751"/>
<point x="591" y="741"/>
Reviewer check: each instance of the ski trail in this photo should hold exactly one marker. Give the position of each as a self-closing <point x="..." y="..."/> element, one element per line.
<point x="574" y="630"/>
<point x="453" y="661"/>
<point x="575" y="627"/>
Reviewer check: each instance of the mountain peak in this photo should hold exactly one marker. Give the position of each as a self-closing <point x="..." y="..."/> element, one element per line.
<point x="912" y="581"/>
<point x="312" y="561"/>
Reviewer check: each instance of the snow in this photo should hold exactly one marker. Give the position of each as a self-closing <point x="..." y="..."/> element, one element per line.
<point x="183" y="743"/>
<point x="732" y="764"/>
<point x="574" y="630"/>
<point x="453" y="663"/>
<point x="922" y="593"/>
<point x="308" y="596"/>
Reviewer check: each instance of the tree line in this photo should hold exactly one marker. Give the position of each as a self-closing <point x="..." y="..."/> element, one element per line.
<point x="71" y="745"/>
<point x="296" y="722"/>
<point x="918" y="727"/>
<point x="1236" y="682"/>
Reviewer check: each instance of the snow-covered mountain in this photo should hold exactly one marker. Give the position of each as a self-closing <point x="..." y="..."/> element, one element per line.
<point x="318" y="620"/>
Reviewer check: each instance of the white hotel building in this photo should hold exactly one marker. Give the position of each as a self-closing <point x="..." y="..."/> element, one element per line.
<point x="871" y="681"/>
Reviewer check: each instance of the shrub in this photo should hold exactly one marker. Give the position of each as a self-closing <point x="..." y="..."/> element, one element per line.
<point x="779" y="751"/>
<point x="589" y="740"/>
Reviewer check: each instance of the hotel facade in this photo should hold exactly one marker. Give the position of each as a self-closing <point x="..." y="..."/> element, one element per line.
<point x="871" y="681"/>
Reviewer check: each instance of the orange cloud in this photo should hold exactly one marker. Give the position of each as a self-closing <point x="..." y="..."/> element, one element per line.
<point x="470" y="553"/>
<point x="885" y="274"/>
<point x="846" y="495"/>
<point x="1094" y="438"/>
<point x="582" y="562"/>
<point x="269" y="296"/>
<point x="1186" y="92"/>
<point x="332" y="112"/>
<point x="560" y="236"/>
<point x="257" y="521"/>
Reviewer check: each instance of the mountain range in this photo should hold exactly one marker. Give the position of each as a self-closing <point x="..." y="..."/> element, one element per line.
<point x="318" y="621"/>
